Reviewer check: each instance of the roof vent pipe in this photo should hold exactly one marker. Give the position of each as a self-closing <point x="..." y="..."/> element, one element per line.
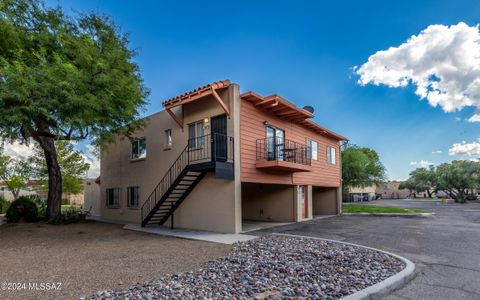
<point x="309" y="109"/>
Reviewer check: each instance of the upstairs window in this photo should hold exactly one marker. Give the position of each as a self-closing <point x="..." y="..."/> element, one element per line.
<point x="113" y="197"/>
<point x="168" y="138"/>
<point x="132" y="196"/>
<point x="139" y="149"/>
<point x="331" y="155"/>
<point x="196" y="135"/>
<point x="312" y="150"/>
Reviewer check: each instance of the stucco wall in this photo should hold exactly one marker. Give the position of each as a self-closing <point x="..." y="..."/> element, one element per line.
<point x="119" y="171"/>
<point x="207" y="210"/>
<point x="268" y="202"/>
<point x="325" y="201"/>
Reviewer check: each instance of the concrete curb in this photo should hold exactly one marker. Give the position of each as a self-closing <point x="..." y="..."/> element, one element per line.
<point x="382" y="288"/>
<point x="412" y="215"/>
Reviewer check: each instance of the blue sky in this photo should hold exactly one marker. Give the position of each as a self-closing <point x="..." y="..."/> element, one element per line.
<point x="304" y="51"/>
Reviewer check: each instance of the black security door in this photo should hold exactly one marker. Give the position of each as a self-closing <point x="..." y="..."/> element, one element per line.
<point x="219" y="138"/>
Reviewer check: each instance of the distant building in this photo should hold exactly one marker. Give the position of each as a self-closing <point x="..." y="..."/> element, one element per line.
<point x="383" y="190"/>
<point x="390" y="190"/>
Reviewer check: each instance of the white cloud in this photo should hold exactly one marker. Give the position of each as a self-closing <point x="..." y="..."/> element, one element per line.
<point x="443" y="62"/>
<point x="17" y="150"/>
<point x="421" y="164"/>
<point x="437" y="152"/>
<point x="90" y="156"/>
<point x="464" y="148"/>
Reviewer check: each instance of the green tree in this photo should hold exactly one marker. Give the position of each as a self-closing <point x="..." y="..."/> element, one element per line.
<point x="457" y="178"/>
<point x="14" y="174"/>
<point x="360" y="167"/>
<point x="64" y="78"/>
<point x="72" y="166"/>
<point x="421" y="180"/>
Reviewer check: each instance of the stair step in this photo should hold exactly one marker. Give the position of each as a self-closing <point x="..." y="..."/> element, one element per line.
<point x="194" y="173"/>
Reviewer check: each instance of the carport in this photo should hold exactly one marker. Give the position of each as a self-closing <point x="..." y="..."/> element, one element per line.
<point x="267" y="203"/>
<point x="325" y="200"/>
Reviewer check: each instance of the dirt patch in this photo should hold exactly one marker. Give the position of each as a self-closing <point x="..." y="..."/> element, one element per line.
<point x="92" y="256"/>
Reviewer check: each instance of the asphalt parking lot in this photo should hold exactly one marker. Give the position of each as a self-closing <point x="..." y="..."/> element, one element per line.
<point x="445" y="247"/>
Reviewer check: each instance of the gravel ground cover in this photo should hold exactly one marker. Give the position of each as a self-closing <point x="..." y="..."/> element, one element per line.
<point x="273" y="267"/>
<point x="88" y="257"/>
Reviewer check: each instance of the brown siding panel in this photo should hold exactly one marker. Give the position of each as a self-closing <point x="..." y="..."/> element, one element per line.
<point x="252" y="128"/>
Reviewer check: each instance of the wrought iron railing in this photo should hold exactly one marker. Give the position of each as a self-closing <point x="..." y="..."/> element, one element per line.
<point x="282" y="149"/>
<point x="207" y="148"/>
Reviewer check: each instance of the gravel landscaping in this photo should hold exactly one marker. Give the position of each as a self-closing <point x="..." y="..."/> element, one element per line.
<point x="273" y="267"/>
<point x="88" y="257"/>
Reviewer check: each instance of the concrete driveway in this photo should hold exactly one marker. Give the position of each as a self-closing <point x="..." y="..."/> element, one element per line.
<point x="445" y="248"/>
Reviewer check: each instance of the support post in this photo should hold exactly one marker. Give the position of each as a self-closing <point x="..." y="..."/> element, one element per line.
<point x="171" y="218"/>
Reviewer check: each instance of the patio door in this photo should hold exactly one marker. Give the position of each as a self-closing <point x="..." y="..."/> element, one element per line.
<point x="302" y="200"/>
<point x="275" y="143"/>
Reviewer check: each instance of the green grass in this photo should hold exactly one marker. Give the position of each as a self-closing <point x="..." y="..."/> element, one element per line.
<point x="380" y="209"/>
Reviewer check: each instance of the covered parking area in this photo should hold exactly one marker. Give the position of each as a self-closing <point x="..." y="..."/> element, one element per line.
<point x="267" y="205"/>
<point x="326" y="200"/>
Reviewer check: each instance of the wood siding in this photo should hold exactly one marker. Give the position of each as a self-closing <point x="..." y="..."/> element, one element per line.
<point x="252" y="128"/>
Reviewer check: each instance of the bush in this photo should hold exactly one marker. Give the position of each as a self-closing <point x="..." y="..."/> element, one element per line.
<point x="4" y="205"/>
<point x="65" y="202"/>
<point x="22" y="208"/>
<point x="41" y="206"/>
<point x="71" y="214"/>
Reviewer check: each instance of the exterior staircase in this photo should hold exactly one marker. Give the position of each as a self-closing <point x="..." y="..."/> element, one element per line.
<point x="215" y="153"/>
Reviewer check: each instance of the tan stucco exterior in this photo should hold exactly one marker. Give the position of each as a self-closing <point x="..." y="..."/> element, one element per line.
<point x="119" y="171"/>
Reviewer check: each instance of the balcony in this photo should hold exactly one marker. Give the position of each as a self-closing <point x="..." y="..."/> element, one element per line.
<point x="279" y="154"/>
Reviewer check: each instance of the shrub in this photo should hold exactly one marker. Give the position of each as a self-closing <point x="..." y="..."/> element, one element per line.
<point x="24" y="208"/>
<point x="41" y="206"/>
<point x="4" y="205"/>
<point x="65" y="202"/>
<point x="71" y="214"/>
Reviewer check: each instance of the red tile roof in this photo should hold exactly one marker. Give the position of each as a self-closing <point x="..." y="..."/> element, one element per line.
<point x="195" y="94"/>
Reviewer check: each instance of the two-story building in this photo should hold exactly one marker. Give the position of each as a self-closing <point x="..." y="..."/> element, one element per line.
<point x="214" y="157"/>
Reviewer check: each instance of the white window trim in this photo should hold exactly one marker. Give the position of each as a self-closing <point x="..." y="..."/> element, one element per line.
<point x="168" y="139"/>
<point x="198" y="124"/>
<point x="132" y="155"/>
<point x="331" y="159"/>
<point x="310" y="148"/>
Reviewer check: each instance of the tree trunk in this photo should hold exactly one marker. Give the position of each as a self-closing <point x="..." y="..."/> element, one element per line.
<point x="15" y="193"/>
<point x="54" y="200"/>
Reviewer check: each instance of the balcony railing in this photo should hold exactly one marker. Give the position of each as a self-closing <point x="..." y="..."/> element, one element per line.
<point x="279" y="149"/>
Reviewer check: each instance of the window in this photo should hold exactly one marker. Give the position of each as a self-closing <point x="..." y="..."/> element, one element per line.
<point x="168" y="138"/>
<point x="132" y="196"/>
<point x="139" y="149"/>
<point x="196" y="135"/>
<point x="312" y="150"/>
<point x="331" y="155"/>
<point x="113" y="197"/>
